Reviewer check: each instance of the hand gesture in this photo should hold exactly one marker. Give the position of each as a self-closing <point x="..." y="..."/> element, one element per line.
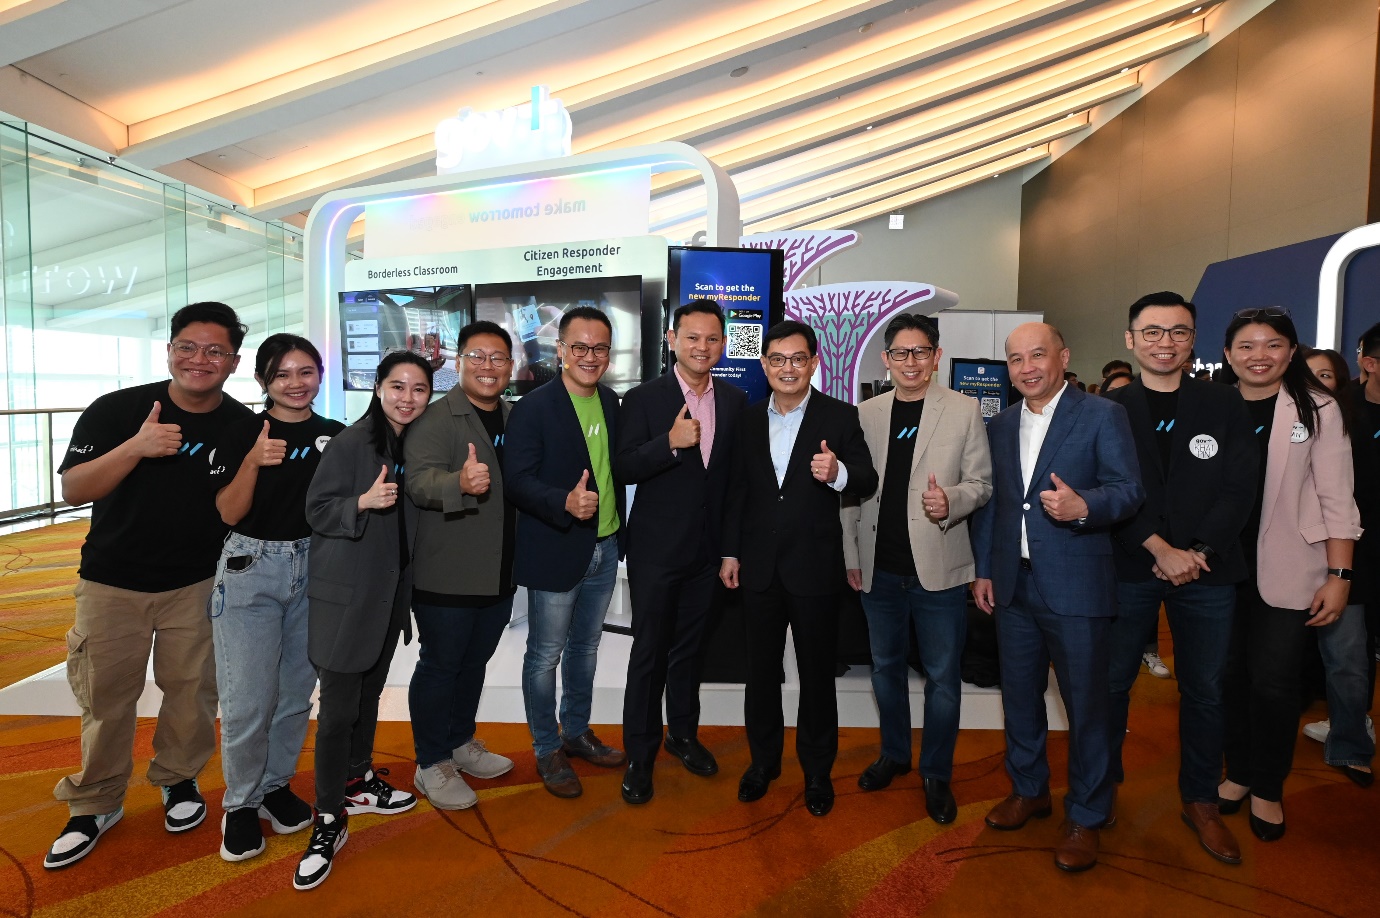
<point x="1329" y="602"/>
<point x="984" y="595"/>
<point x="1178" y="566"/>
<point x="1063" y="503"/>
<point x="825" y="465"/>
<point x="936" y="501"/>
<point x="267" y="451"/>
<point x="154" y="439"/>
<point x="381" y="495"/>
<point x="582" y="503"/>
<point x="728" y="573"/>
<point x="855" y="579"/>
<point x="685" y="432"/>
<point x="474" y="475"/>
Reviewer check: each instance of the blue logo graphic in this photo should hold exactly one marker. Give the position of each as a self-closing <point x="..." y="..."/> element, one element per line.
<point x="908" y="432"/>
<point x="189" y="449"/>
<point x="498" y="440"/>
<point x="1170" y="426"/>
<point x="300" y="452"/>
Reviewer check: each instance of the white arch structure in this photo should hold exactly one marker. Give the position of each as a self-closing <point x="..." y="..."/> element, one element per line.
<point x="1332" y="282"/>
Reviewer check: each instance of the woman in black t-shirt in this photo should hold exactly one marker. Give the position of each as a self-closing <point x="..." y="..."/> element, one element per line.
<point x="262" y="468"/>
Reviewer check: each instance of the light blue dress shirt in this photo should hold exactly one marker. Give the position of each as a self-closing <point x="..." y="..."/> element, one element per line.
<point x="782" y="430"/>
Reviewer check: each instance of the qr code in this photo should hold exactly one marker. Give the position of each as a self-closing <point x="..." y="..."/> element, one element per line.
<point x="991" y="406"/>
<point x="744" y="341"/>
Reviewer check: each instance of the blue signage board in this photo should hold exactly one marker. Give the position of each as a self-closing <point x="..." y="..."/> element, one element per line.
<point x="988" y="381"/>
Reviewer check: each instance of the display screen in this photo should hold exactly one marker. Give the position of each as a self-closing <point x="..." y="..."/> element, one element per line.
<point x="747" y="285"/>
<point x="531" y="312"/>
<point x="988" y="381"/>
<point x="424" y="320"/>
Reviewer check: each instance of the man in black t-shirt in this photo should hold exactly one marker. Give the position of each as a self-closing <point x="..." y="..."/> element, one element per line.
<point x="140" y="457"/>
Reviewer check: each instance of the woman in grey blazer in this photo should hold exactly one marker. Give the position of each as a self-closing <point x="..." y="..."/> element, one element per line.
<point x="359" y="594"/>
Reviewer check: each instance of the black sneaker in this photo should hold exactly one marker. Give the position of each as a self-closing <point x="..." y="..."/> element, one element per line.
<point x="241" y="835"/>
<point x="183" y="806"/>
<point x="372" y="794"/>
<point x="328" y="836"/>
<point x="285" y="810"/>
<point x="78" y="837"/>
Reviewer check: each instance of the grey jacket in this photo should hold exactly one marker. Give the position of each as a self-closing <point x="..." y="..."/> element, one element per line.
<point x="459" y="536"/>
<point x="355" y="602"/>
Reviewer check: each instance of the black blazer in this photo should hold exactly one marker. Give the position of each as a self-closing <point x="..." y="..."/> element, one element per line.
<point x="1201" y="497"/>
<point x="677" y="513"/>
<point x="544" y="454"/>
<point x="793" y="528"/>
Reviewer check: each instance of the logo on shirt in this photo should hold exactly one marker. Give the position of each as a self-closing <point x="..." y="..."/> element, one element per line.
<point x="1204" y="446"/>
<point x="321" y="442"/>
<point x="1165" y="428"/>
<point x="498" y="440"/>
<point x="300" y="453"/>
<point x="190" y="449"/>
<point x="593" y="431"/>
<point x="83" y="450"/>
<point x="908" y="432"/>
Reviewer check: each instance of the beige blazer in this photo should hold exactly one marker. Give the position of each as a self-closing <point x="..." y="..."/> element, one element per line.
<point x="1309" y="498"/>
<point x="952" y="445"/>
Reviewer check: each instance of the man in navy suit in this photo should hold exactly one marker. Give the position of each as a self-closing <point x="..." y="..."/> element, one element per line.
<point x="1065" y="471"/>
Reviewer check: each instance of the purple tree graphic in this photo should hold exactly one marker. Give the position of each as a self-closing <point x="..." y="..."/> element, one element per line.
<point x="804" y="249"/>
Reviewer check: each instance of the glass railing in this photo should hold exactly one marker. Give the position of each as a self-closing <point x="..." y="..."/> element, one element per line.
<point x="34" y="441"/>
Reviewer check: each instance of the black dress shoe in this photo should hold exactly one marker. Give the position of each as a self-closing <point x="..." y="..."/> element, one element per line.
<point x="1228" y="807"/>
<point x="692" y="754"/>
<point x="939" y="801"/>
<point x="879" y="774"/>
<point x="1266" y="831"/>
<point x="637" y="783"/>
<point x="819" y="794"/>
<point x="1359" y="777"/>
<point x="753" y="785"/>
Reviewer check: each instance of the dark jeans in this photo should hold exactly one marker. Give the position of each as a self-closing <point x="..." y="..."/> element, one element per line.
<point x="1262" y="692"/>
<point x="345" y="723"/>
<point x="941" y="623"/>
<point x="455" y="647"/>
<point x="1200" y="618"/>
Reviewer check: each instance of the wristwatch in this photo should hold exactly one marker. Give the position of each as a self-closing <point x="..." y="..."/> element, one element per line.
<point x="1201" y="548"/>
<point x="1342" y="573"/>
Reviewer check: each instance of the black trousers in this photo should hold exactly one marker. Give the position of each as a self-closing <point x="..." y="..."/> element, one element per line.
<point x="814" y="624"/>
<point x="345" y="725"/>
<point x="670" y="607"/>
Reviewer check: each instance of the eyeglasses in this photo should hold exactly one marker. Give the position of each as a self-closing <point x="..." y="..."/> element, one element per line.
<point x="797" y="360"/>
<point x="478" y="359"/>
<point x="583" y="350"/>
<point x="1276" y="312"/>
<point x="213" y="352"/>
<point x="899" y="354"/>
<point x="1179" y="333"/>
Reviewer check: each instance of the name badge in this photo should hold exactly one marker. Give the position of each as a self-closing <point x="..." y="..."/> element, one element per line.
<point x="321" y="442"/>
<point x="1204" y="446"/>
<point x="1299" y="433"/>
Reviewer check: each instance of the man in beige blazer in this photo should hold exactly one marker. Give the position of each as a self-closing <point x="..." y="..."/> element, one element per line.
<point x="907" y="551"/>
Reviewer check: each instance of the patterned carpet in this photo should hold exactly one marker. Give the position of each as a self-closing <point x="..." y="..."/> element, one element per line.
<point x="38" y="568"/>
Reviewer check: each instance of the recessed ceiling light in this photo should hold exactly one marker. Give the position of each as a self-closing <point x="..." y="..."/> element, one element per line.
<point x="998" y="175"/>
<point x="737" y="71"/>
<point x="1197" y="9"/>
<point x="868" y="128"/>
<point x="1125" y="69"/>
<point x="864" y="27"/>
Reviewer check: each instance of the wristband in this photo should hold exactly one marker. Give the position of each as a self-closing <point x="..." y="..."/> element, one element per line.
<point x="1341" y="573"/>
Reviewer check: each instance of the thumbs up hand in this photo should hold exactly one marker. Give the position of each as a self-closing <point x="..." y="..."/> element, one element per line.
<point x="582" y="503"/>
<point x="474" y="475"/>
<point x="685" y="432"/>
<point x="936" y="501"/>
<point x="825" y="465"/>
<point x="381" y="495"/>
<point x="154" y="439"/>
<point x="267" y="451"/>
<point x="1063" y="503"/>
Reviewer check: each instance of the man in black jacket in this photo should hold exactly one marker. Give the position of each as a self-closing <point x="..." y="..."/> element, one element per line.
<point x="1200" y="466"/>
<point x="675" y="439"/>
<point x="795" y="452"/>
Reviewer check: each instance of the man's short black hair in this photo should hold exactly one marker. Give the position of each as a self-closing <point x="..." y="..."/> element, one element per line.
<point x="788" y="327"/>
<point x="1113" y="365"/>
<point x="708" y="307"/>
<point x="1370" y="341"/>
<point x="583" y="312"/>
<point x="215" y="313"/>
<point x="1069" y="374"/>
<point x="1163" y="298"/>
<point x="923" y="324"/>
<point x="483" y="327"/>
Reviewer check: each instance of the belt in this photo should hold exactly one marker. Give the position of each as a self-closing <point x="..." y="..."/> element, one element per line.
<point x="1025" y="565"/>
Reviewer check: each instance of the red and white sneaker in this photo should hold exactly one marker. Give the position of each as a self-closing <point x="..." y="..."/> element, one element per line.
<point x="372" y="794"/>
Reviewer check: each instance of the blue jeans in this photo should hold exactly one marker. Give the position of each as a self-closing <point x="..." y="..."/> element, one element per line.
<point x="1343" y="648"/>
<point x="564" y="629"/>
<point x="1200" y="617"/>
<point x="941" y="627"/>
<point x="259" y="625"/>
<point x="455" y="645"/>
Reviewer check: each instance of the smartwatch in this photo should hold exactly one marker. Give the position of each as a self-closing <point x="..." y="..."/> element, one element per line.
<point x="1201" y="548"/>
<point x="1341" y="573"/>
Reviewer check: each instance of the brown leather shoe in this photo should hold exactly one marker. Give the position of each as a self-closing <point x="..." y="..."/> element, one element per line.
<point x="559" y="778"/>
<point x="1015" y="811"/>
<point x="589" y="748"/>
<point x="1213" y="834"/>
<point x="1078" y="849"/>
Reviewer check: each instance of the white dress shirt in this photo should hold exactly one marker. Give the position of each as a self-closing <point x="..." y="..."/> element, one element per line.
<point x="782" y="431"/>
<point x="1033" y="429"/>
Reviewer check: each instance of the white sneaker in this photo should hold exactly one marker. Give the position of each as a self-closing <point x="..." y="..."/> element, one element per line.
<point x="372" y="794"/>
<point x="1155" y="665"/>
<point x="442" y="785"/>
<point x="1318" y="730"/>
<point x="474" y="759"/>
<point x="78" y="837"/>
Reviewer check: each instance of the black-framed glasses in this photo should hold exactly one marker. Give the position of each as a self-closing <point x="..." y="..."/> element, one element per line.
<point x="584" y="350"/>
<point x="1276" y="312"/>
<point x="1178" y="333"/>
<point x="899" y="354"/>
<point x="478" y="358"/>
<point x="797" y="360"/>
<point x="212" y="352"/>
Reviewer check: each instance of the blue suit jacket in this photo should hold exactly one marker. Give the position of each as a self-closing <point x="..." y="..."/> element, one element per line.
<point x="1089" y="445"/>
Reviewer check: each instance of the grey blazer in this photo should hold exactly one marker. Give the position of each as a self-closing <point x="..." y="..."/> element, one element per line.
<point x="354" y="601"/>
<point x="459" y="536"/>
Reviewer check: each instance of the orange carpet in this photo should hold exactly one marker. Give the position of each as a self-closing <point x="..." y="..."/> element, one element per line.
<point x="38" y="568"/>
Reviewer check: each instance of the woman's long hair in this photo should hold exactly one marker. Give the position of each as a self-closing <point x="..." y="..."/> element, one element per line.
<point x="1344" y="393"/>
<point x="1303" y="387"/>
<point x="270" y="357"/>
<point x="385" y="441"/>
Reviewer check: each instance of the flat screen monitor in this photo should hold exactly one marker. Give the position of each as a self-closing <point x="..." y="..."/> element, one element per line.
<point x="986" y="380"/>
<point x="424" y="320"/>
<point x="531" y="312"/>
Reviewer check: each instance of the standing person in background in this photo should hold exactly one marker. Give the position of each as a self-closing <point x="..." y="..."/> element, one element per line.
<point x="907" y="550"/>
<point x="261" y="471"/>
<point x="557" y="471"/>
<point x="138" y="456"/>
<point x="675" y="439"/>
<point x="360" y="594"/>
<point x="1299" y="540"/>
<point x="462" y="587"/>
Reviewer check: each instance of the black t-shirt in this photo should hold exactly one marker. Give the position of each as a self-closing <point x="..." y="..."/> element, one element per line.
<point x="1365" y="442"/>
<point x="278" y="513"/>
<point x="893" y="553"/>
<point x="1262" y="414"/>
<point x="159" y="529"/>
<point x="1163" y="408"/>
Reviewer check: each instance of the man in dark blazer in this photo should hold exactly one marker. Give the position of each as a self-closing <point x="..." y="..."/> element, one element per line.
<point x="795" y="453"/>
<point x="557" y="471"/>
<point x="675" y="441"/>
<point x="1199" y="463"/>
<point x="1064" y="469"/>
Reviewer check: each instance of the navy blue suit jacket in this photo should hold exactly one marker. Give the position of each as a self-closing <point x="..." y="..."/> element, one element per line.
<point x="544" y="454"/>
<point x="1089" y="445"/>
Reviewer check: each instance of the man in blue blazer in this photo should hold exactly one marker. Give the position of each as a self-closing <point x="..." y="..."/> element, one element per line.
<point x="1065" y="471"/>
